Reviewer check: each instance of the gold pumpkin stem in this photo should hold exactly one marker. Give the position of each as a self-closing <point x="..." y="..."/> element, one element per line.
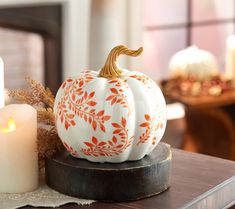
<point x="111" y="69"/>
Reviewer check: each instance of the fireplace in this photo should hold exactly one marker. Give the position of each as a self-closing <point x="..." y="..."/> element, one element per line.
<point x="31" y="44"/>
<point x="64" y="28"/>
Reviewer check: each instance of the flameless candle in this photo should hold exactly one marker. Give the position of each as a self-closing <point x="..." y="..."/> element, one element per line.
<point x="18" y="149"/>
<point x="2" y="93"/>
<point x="230" y="57"/>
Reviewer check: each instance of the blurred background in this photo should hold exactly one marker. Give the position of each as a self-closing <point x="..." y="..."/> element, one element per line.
<point x="84" y="31"/>
<point x="50" y="40"/>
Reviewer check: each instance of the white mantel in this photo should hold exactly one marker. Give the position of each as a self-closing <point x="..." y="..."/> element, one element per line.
<point x="77" y="37"/>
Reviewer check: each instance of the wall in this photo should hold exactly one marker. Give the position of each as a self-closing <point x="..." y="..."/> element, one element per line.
<point x="76" y="32"/>
<point x="21" y="60"/>
<point x="114" y="23"/>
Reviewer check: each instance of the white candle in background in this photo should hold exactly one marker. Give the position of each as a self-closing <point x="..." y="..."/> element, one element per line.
<point x="18" y="149"/>
<point x="2" y="92"/>
<point x="230" y="57"/>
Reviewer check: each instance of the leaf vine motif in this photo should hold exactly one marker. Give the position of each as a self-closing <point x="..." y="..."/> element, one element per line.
<point x="65" y="116"/>
<point x="70" y="149"/>
<point x="117" y="94"/>
<point x="78" y="102"/>
<point x="151" y="127"/>
<point x="142" y="78"/>
<point x="83" y="108"/>
<point x="119" y="142"/>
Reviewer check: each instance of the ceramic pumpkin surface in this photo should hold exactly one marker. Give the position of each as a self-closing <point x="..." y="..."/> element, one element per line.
<point x="113" y="115"/>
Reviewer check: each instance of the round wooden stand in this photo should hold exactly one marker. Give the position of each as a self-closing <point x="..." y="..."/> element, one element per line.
<point x="110" y="182"/>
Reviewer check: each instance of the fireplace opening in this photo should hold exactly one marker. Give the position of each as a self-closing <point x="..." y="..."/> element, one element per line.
<point x="31" y="44"/>
<point x="23" y="55"/>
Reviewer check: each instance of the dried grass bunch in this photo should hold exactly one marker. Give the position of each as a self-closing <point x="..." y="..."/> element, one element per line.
<point x="42" y="99"/>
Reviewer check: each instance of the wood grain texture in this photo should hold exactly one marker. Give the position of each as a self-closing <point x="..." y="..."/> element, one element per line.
<point x="194" y="177"/>
<point x="211" y="131"/>
<point x="110" y="182"/>
<point x="210" y="124"/>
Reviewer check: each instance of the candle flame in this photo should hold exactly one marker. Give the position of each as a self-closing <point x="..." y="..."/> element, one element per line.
<point x="11" y="126"/>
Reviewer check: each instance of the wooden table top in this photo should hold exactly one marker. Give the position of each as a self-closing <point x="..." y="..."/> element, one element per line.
<point x="196" y="181"/>
<point x="227" y="98"/>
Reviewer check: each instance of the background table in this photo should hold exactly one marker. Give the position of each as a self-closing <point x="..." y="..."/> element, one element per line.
<point x="210" y="124"/>
<point x="197" y="181"/>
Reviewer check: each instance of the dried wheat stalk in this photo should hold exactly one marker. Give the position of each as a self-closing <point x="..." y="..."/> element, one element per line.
<point x="42" y="99"/>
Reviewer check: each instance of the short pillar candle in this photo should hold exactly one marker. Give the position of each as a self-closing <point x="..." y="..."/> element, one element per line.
<point x="18" y="149"/>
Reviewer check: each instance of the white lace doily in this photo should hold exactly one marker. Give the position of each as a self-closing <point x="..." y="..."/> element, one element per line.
<point x="43" y="196"/>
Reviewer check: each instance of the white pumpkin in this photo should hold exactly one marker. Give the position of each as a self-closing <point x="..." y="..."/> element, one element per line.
<point x="110" y="116"/>
<point x="194" y="62"/>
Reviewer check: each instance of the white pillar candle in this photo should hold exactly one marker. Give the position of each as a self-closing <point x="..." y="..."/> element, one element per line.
<point x="2" y="93"/>
<point x="230" y="57"/>
<point x="18" y="149"/>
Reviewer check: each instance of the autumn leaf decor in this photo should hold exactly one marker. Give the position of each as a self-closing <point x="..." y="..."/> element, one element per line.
<point x="151" y="127"/>
<point x="111" y="115"/>
<point x="116" y="145"/>
<point x="43" y="100"/>
<point x="81" y="104"/>
<point x="118" y="94"/>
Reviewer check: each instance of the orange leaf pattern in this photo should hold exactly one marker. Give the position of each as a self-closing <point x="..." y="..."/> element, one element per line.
<point x="76" y="101"/>
<point x="119" y="142"/>
<point x="151" y="127"/>
<point x="118" y="94"/>
<point x="70" y="149"/>
<point x="142" y="78"/>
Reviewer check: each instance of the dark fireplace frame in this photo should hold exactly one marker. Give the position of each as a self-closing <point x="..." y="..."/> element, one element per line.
<point x="45" y="20"/>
